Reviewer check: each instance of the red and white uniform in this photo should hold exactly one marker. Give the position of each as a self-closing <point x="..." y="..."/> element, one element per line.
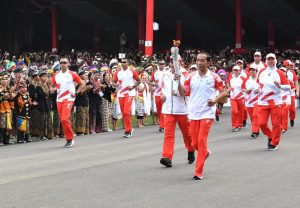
<point x="286" y="103"/>
<point x="236" y="87"/>
<point x="173" y="104"/>
<point x="65" y="84"/>
<point x="126" y="78"/>
<point x="251" y="99"/>
<point x="201" y="89"/>
<point x="293" y="78"/>
<point x="237" y="101"/>
<point x="183" y="71"/>
<point x="175" y="110"/>
<point x="157" y="77"/>
<point x="270" y="94"/>
<point x="270" y="100"/>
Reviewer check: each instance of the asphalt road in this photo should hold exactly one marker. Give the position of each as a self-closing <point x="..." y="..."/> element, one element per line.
<point x="106" y="170"/>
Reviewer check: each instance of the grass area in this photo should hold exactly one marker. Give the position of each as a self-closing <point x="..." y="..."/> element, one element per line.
<point x="147" y="121"/>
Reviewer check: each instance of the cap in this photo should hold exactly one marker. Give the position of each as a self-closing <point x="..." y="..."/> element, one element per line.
<point x="241" y="61"/>
<point x="287" y="62"/>
<point x="112" y="62"/>
<point x="253" y="66"/>
<point x="271" y="55"/>
<point x="193" y="66"/>
<point x="221" y="72"/>
<point x="236" y="68"/>
<point x="257" y="53"/>
<point x="113" y="65"/>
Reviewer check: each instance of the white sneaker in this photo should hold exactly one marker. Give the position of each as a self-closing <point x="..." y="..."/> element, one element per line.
<point x="70" y="143"/>
<point x="208" y="153"/>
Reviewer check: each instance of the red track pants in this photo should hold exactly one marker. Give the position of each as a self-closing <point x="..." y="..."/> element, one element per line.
<point x="264" y="113"/>
<point x="169" y="137"/>
<point x="64" y="111"/>
<point x="125" y="106"/>
<point x="159" y="104"/>
<point x="199" y="132"/>
<point x="284" y="117"/>
<point x="237" y="112"/>
<point x="245" y="113"/>
<point x="292" y="108"/>
<point x="253" y="114"/>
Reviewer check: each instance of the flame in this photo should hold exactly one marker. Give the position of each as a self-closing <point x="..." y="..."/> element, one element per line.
<point x="176" y="43"/>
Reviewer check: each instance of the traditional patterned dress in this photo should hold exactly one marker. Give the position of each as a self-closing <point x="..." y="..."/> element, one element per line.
<point x="22" y="105"/>
<point x="116" y="111"/>
<point x="5" y="115"/>
<point x="34" y="121"/>
<point x="106" y="106"/>
<point x="45" y="126"/>
<point x="143" y="101"/>
<point x="82" y="113"/>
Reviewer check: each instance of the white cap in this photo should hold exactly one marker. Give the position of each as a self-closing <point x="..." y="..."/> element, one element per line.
<point x="193" y="66"/>
<point x="239" y="61"/>
<point x="257" y="53"/>
<point x="113" y="61"/>
<point x="253" y="66"/>
<point x="271" y="55"/>
<point x="236" y="67"/>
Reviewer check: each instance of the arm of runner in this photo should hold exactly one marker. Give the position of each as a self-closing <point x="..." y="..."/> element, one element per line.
<point x="212" y="102"/>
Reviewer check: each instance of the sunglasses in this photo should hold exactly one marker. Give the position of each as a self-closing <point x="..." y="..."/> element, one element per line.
<point x="161" y="63"/>
<point x="63" y="62"/>
<point x="123" y="62"/>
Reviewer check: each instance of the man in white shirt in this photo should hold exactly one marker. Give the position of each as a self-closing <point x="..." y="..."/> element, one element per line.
<point x="257" y="64"/>
<point x="157" y="77"/>
<point x="175" y="110"/>
<point x="128" y="80"/>
<point x="64" y="82"/>
<point x="201" y="86"/>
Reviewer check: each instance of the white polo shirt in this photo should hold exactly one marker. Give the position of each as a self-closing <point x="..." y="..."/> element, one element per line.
<point x="126" y="78"/>
<point x="176" y="105"/>
<point x="64" y="82"/>
<point x="201" y="89"/>
<point x="269" y="93"/>
<point x="250" y="98"/>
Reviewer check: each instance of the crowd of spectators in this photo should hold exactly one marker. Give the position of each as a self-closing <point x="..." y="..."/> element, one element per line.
<point x="28" y="108"/>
